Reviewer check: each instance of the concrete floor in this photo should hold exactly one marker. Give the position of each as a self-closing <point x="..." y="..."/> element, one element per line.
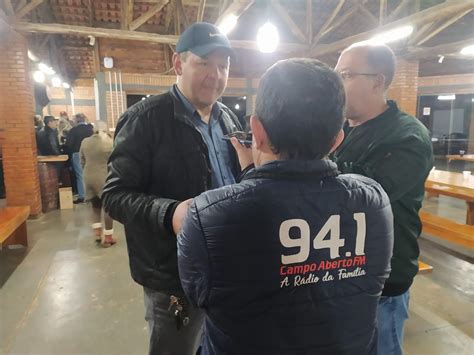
<point x="65" y="295"/>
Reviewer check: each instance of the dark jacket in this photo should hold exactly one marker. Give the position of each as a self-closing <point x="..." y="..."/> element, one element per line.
<point x="395" y="150"/>
<point x="159" y="158"/>
<point x="47" y="141"/>
<point x="76" y="135"/>
<point x="273" y="261"/>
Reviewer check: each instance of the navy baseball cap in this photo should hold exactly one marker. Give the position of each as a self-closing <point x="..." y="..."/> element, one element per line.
<point x="202" y="38"/>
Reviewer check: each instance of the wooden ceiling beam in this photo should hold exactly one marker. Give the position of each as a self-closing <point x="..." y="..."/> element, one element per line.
<point x="370" y="15"/>
<point x="148" y="15"/>
<point x="134" y="35"/>
<point x="382" y="11"/>
<point x="126" y="14"/>
<point x="440" y="26"/>
<point x="430" y="14"/>
<point x="398" y="10"/>
<point x="28" y="8"/>
<point x="182" y="14"/>
<point x="337" y="9"/>
<point x="237" y="8"/>
<point x="443" y="49"/>
<point x="309" y="21"/>
<point x="283" y="13"/>
<point x="7" y="4"/>
<point x="200" y="12"/>
<point x="20" y="4"/>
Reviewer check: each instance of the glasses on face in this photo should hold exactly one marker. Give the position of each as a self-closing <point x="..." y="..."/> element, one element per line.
<point x="346" y="75"/>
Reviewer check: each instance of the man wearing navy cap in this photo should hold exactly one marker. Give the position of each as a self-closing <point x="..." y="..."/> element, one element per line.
<point x="168" y="149"/>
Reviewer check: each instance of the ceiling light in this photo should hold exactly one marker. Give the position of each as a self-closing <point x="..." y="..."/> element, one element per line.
<point x="32" y="56"/>
<point x="393" y="35"/>
<point x="46" y="69"/>
<point x="66" y="85"/>
<point x="228" y="24"/>
<point x="39" y="76"/>
<point x="469" y="50"/>
<point x="244" y="97"/>
<point x="237" y="106"/>
<point x="56" y="81"/>
<point x="449" y="97"/>
<point x="143" y="98"/>
<point x="267" y="38"/>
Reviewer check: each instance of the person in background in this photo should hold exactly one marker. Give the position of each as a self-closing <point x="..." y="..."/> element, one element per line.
<point x="74" y="139"/>
<point x="64" y="126"/>
<point x="94" y="152"/>
<point x="47" y="137"/>
<point x="39" y="123"/>
<point x="167" y="149"/>
<point x="293" y="259"/>
<point x="394" y="149"/>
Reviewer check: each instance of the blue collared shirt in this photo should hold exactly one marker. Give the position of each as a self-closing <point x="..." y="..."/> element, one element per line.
<point x="218" y="148"/>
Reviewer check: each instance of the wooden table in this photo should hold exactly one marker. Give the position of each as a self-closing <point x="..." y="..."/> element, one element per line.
<point x="465" y="157"/>
<point x="447" y="183"/>
<point x="52" y="158"/>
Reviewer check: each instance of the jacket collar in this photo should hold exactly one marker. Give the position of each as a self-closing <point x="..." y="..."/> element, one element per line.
<point x="181" y="113"/>
<point x="294" y="169"/>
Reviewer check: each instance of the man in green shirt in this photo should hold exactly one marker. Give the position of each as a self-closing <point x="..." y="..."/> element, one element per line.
<point x="394" y="149"/>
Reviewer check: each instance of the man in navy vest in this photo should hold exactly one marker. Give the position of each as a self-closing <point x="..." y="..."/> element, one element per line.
<point x="293" y="259"/>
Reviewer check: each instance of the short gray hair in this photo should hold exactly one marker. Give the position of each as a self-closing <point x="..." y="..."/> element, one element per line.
<point x="380" y="57"/>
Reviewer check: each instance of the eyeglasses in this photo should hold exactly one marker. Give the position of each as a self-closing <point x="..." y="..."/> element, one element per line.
<point x="345" y="75"/>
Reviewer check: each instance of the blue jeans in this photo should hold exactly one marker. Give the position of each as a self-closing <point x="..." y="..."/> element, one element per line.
<point x="165" y="338"/>
<point x="77" y="168"/>
<point x="392" y="312"/>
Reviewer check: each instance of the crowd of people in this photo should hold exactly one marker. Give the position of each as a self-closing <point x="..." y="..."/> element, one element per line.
<point x="303" y="243"/>
<point x="88" y="147"/>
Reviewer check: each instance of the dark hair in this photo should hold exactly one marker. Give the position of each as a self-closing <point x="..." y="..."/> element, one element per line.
<point x="300" y="103"/>
<point x="80" y="117"/>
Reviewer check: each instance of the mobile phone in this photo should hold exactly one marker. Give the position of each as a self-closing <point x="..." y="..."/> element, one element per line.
<point x="244" y="138"/>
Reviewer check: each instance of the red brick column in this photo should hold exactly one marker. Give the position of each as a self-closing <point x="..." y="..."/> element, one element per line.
<point x="404" y="88"/>
<point x="16" y="117"/>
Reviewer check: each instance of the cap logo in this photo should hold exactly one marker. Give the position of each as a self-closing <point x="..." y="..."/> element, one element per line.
<point x="215" y="34"/>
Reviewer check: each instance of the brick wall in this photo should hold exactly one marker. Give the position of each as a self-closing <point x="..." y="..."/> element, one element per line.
<point x="84" y="100"/>
<point x="446" y="84"/>
<point x="16" y="113"/>
<point x="404" y="88"/>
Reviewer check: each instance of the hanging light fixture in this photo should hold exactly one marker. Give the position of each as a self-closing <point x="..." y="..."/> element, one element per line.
<point x="228" y="24"/>
<point x="268" y="38"/>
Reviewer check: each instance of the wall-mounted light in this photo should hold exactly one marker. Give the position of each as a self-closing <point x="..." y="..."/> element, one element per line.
<point x="39" y="76"/>
<point x="268" y="38"/>
<point x="228" y="24"/>
<point x="449" y="97"/>
<point x="393" y="35"/>
<point x="66" y="86"/>
<point x="46" y="69"/>
<point x="32" y="56"/>
<point x="237" y="106"/>
<point x="441" y="59"/>
<point x="469" y="50"/>
<point x="56" y="81"/>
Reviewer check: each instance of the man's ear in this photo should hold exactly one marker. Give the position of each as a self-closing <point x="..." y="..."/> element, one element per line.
<point x="337" y="141"/>
<point x="260" y="137"/>
<point x="177" y="64"/>
<point x="379" y="82"/>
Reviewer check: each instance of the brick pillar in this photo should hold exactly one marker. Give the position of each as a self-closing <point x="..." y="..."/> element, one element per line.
<point x="16" y="115"/>
<point x="404" y="88"/>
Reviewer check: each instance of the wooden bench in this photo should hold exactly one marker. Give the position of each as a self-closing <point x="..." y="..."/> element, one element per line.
<point x="424" y="268"/>
<point x="443" y="228"/>
<point x="13" y="225"/>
